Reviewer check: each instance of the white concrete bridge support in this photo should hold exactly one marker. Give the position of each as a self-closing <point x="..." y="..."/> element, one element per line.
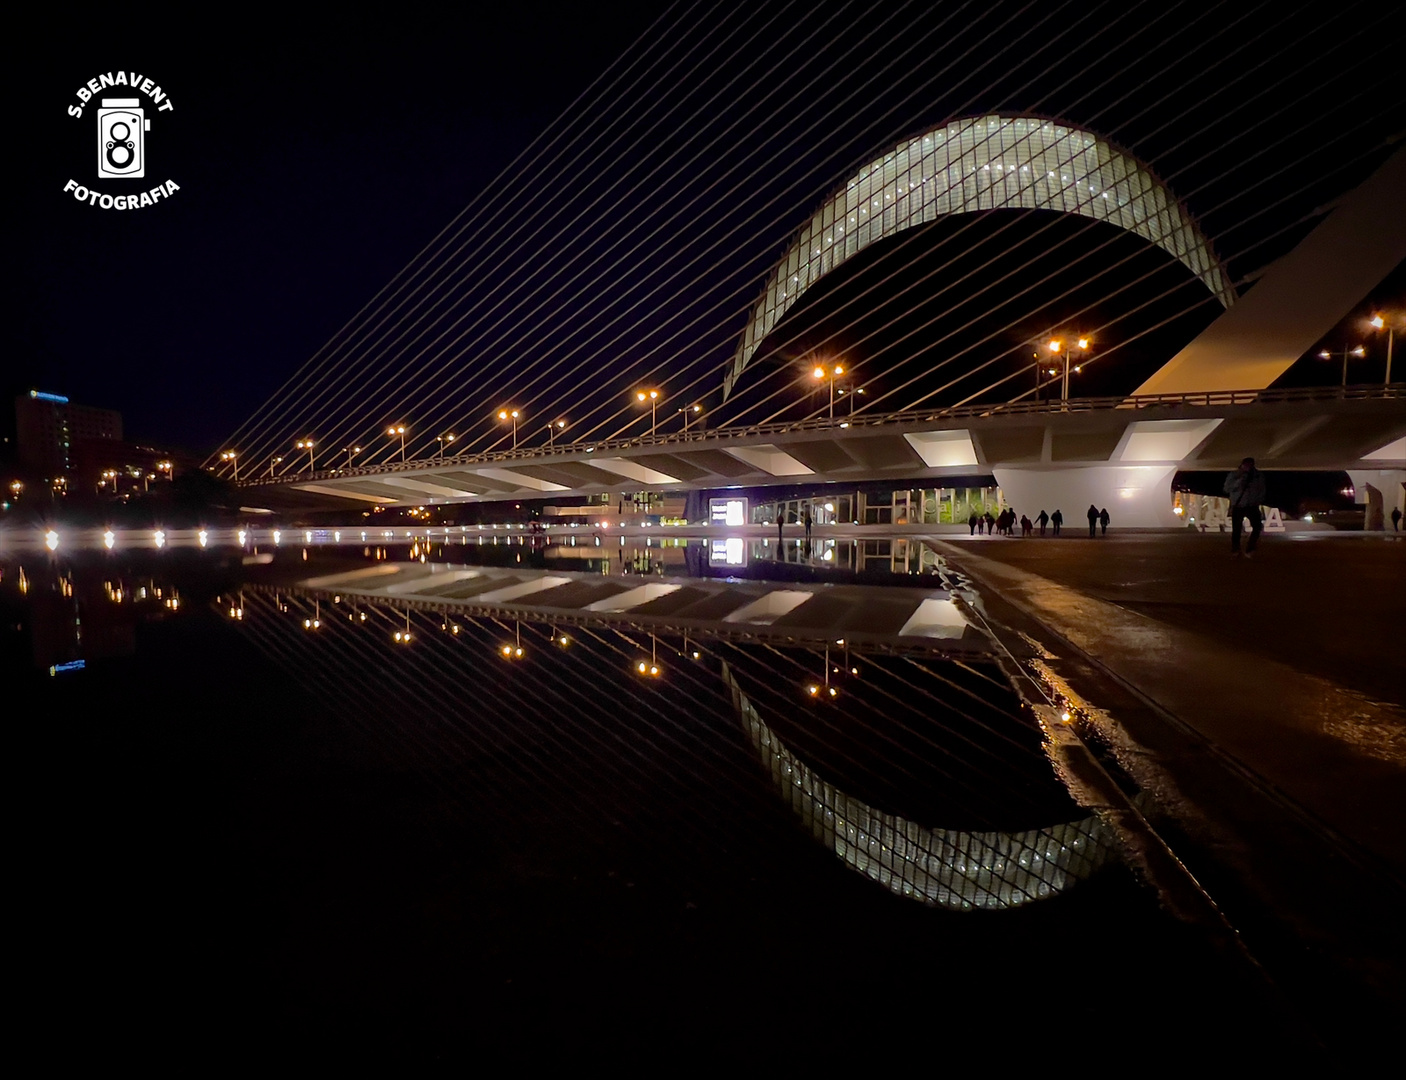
<point x="1136" y="496"/>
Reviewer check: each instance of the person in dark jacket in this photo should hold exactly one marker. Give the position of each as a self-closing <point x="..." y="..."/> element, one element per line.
<point x="1043" y="520"/>
<point x="1103" y="521"/>
<point x="1057" y="519"/>
<point x="1092" y="515"/>
<point x="1245" y="489"/>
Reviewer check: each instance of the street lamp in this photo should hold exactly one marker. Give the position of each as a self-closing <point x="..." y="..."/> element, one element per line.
<point x="350" y="451"/>
<point x="1380" y="322"/>
<point x="553" y="428"/>
<point x="306" y="444"/>
<point x="1328" y="354"/>
<point x="442" y="439"/>
<point x="689" y="413"/>
<point x="274" y="460"/>
<point x="821" y="374"/>
<point x="231" y="456"/>
<point x="651" y="396"/>
<point x="1057" y="347"/>
<point x="398" y="429"/>
<point x="510" y="414"/>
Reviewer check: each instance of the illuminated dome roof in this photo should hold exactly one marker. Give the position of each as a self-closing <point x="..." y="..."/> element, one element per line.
<point x="982" y="163"/>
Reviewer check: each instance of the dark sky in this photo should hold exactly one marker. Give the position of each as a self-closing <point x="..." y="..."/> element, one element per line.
<point x="313" y="160"/>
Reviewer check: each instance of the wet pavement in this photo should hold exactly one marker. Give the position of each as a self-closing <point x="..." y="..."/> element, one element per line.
<point x="1260" y="702"/>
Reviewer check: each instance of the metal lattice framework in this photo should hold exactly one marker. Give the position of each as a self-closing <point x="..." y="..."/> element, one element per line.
<point x="981" y="163"/>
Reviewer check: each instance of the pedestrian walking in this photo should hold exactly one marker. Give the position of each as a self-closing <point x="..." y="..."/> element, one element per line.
<point x="1092" y="515"/>
<point x="971" y="523"/>
<point x="1103" y="520"/>
<point x="1026" y="526"/>
<point x="1245" y="489"/>
<point x="1043" y="519"/>
<point x="990" y="524"/>
<point x="1056" y="520"/>
<point x="1396" y="519"/>
<point x="807" y="520"/>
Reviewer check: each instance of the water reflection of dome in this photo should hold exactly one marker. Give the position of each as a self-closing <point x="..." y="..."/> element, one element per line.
<point x="945" y="867"/>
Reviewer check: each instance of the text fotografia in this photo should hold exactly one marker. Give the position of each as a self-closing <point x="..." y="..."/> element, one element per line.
<point x="122" y="126"/>
<point x="121" y="202"/>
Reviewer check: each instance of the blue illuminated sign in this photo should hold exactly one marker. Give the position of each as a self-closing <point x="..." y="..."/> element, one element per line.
<point x="72" y="665"/>
<point x="41" y="396"/>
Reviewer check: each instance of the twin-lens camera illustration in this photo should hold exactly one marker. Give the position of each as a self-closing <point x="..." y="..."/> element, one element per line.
<point x="121" y="125"/>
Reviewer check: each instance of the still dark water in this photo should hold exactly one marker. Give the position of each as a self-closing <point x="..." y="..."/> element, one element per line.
<point x="244" y="834"/>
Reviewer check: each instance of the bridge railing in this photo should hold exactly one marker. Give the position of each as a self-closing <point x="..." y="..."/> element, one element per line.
<point x="1200" y="399"/>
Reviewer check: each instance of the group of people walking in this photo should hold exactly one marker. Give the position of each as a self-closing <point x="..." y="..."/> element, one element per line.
<point x="1005" y="523"/>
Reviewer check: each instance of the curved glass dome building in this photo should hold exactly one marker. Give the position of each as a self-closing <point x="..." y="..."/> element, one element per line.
<point x="981" y="163"/>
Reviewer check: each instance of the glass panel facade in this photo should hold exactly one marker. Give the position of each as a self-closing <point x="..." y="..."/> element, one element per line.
<point x="981" y="164"/>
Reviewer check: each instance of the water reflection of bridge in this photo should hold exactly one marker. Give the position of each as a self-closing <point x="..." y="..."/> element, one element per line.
<point x="923" y="774"/>
<point x="892" y="617"/>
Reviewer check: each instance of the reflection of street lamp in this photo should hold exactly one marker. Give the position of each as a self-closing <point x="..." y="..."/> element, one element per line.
<point x="306" y="444"/>
<point x="231" y="456"/>
<point x="1328" y="354"/>
<point x="1384" y="322"/>
<point x="510" y="414"/>
<point x="398" y="429"/>
<point x="651" y="396"/>
<point x="821" y="374"/>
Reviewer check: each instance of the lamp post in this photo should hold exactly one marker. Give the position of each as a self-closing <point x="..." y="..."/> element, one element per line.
<point x="350" y="451"/>
<point x="689" y="413"/>
<point x="1384" y="322"/>
<point x="821" y="374"/>
<point x="306" y="444"/>
<point x="232" y="456"/>
<point x="510" y="414"/>
<point x="553" y="428"/>
<point x="1328" y="354"/>
<point x="274" y="460"/>
<point x="651" y="396"/>
<point x="442" y="439"/>
<point x="1058" y="348"/>
<point x="398" y="429"/>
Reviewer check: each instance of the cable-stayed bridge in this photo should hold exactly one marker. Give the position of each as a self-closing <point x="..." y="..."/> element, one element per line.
<point x="1186" y="211"/>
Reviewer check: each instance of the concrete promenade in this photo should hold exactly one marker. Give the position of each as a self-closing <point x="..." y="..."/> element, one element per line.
<point x="1262" y="703"/>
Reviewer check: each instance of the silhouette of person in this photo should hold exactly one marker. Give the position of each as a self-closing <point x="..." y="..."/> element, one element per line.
<point x="1025" y="526"/>
<point x="990" y="524"/>
<point x="1103" y="520"/>
<point x="971" y="523"/>
<point x="1057" y="519"/>
<point x="1245" y="489"/>
<point x="1043" y="520"/>
<point x="807" y="520"/>
<point x="1092" y="515"/>
<point x="1396" y="519"/>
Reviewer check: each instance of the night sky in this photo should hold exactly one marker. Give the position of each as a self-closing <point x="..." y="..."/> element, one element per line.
<point x="315" y="161"/>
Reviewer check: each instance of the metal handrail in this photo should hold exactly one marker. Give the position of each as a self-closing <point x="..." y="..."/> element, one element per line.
<point x="1205" y="398"/>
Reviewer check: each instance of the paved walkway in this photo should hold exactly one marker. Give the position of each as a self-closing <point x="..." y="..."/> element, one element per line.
<point x="1291" y="662"/>
<point x="1264" y="701"/>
